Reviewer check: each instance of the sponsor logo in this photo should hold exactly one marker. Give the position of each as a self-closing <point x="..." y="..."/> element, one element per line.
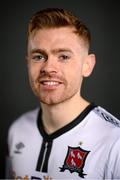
<point x="26" y="177"/>
<point x="19" y="147"/>
<point x="75" y="160"/>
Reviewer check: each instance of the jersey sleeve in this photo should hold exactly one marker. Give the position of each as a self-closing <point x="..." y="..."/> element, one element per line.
<point x="113" y="165"/>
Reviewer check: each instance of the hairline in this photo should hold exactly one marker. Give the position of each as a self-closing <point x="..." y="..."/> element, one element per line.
<point x="55" y="27"/>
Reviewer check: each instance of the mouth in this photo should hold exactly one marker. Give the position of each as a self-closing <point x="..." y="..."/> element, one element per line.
<point x="50" y="84"/>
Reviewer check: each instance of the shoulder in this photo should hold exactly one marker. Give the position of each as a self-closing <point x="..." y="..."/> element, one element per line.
<point x="106" y="130"/>
<point x="24" y="121"/>
<point x="106" y="117"/>
<point x="105" y="125"/>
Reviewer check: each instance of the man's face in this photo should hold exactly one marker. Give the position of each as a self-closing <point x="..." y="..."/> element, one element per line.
<point x="57" y="62"/>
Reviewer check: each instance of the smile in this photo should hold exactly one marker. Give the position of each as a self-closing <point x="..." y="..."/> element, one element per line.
<point x="50" y="83"/>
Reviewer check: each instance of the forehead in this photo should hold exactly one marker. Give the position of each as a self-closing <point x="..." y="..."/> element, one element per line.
<point x="64" y="36"/>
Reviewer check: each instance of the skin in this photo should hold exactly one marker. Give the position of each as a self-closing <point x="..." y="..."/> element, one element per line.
<point x="58" y="60"/>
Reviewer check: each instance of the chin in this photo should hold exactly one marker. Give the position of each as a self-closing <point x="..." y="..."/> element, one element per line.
<point x="50" y="99"/>
<point x="56" y="98"/>
<point x="50" y="102"/>
<point x="54" y="101"/>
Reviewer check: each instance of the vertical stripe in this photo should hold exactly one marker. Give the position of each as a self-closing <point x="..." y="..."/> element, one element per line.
<point x="45" y="166"/>
<point x="40" y="159"/>
<point x="42" y="164"/>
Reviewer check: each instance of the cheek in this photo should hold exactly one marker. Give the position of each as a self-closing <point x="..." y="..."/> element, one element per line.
<point x="33" y="71"/>
<point x="76" y="71"/>
<point x="74" y="75"/>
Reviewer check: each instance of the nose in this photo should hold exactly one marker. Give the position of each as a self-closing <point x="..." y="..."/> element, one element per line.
<point x="49" y="66"/>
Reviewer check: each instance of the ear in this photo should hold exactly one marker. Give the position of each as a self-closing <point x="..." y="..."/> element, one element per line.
<point x="88" y="65"/>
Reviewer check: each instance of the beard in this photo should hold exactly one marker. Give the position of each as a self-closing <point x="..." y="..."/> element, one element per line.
<point x="62" y="93"/>
<point x="55" y="98"/>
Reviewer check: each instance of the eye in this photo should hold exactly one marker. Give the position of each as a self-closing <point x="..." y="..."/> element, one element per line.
<point x="64" y="57"/>
<point x="39" y="57"/>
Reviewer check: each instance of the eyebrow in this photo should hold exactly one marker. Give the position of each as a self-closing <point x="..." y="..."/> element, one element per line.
<point x="59" y="50"/>
<point x="54" y="51"/>
<point x="37" y="51"/>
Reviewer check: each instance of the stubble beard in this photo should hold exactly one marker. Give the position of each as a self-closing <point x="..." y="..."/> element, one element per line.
<point x="54" y="98"/>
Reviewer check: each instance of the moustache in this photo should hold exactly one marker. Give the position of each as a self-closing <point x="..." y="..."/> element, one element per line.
<point x="50" y="76"/>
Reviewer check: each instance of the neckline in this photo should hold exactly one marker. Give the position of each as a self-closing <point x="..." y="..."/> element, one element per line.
<point x="59" y="132"/>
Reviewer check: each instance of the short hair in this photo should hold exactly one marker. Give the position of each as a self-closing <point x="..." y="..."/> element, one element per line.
<point x="56" y="18"/>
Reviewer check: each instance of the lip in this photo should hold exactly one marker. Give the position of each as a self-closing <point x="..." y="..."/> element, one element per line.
<point x="50" y="84"/>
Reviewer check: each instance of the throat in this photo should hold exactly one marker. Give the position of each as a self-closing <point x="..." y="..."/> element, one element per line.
<point x="54" y="118"/>
<point x="52" y="121"/>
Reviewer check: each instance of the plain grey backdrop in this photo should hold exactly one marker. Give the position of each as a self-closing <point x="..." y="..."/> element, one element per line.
<point x="103" y="87"/>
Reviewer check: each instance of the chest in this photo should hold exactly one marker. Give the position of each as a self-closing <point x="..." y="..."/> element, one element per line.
<point x="72" y="157"/>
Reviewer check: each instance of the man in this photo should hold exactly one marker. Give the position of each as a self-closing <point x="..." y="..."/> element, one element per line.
<point x="67" y="137"/>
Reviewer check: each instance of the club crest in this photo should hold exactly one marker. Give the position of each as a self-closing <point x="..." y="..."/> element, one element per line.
<point x="75" y="160"/>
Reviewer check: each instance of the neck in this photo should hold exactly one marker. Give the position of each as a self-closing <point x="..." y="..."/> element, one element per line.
<point x="57" y="116"/>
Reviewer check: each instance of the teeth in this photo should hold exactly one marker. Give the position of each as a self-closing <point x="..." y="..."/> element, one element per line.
<point x="50" y="83"/>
